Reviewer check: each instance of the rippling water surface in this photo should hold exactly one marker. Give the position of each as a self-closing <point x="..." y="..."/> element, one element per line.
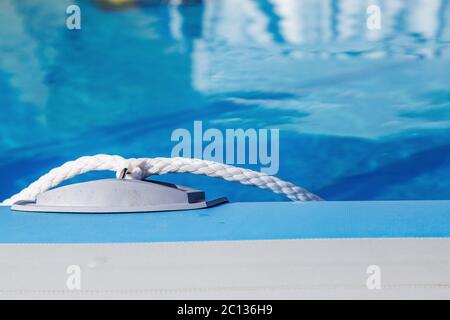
<point x="362" y="114"/>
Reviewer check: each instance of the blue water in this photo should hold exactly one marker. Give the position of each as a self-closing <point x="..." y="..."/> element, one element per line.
<point x="363" y="115"/>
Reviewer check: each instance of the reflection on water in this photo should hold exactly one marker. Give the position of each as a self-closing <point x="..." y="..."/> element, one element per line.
<point x="364" y="114"/>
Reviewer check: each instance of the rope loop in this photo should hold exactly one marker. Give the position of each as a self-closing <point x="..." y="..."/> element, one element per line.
<point x="141" y="168"/>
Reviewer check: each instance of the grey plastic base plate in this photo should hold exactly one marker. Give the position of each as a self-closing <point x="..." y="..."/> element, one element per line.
<point x="118" y="196"/>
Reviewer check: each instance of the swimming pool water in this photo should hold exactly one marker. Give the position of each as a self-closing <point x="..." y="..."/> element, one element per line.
<point x="363" y="115"/>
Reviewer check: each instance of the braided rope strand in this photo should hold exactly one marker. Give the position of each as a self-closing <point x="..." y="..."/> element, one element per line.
<point x="142" y="168"/>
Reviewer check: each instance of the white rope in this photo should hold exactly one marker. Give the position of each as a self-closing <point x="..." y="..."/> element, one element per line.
<point x="144" y="167"/>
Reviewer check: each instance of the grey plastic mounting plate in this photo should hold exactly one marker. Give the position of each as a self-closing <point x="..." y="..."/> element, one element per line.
<point x="118" y="196"/>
